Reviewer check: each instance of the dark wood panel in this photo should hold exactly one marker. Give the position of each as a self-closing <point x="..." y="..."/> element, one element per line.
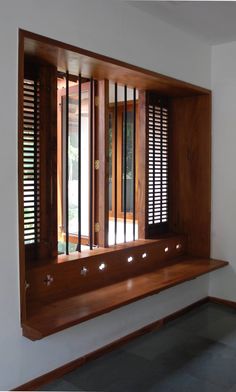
<point x="48" y="162"/>
<point x="142" y="170"/>
<point x="20" y="177"/>
<point x="190" y="171"/>
<point x="51" y="318"/>
<point x="67" y="278"/>
<point x="69" y="367"/>
<point x="75" y="60"/>
<point x="102" y="173"/>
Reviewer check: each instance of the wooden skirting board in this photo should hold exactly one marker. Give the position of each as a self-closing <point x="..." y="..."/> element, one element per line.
<point x="220" y="301"/>
<point x="61" y="371"/>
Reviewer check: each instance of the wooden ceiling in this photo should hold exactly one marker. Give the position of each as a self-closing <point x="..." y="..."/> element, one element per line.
<point x="70" y="58"/>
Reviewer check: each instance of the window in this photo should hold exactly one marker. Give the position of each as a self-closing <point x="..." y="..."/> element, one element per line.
<point x="73" y="164"/>
<point x="114" y="178"/>
<point x="67" y="166"/>
<point x="123" y="126"/>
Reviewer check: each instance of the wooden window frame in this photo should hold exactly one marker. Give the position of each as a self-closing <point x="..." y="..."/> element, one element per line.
<point x="120" y="213"/>
<point x="187" y="229"/>
<point x="73" y="238"/>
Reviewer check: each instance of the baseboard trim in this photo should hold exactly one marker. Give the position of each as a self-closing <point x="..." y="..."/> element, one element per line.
<point x="68" y="367"/>
<point x="221" y="301"/>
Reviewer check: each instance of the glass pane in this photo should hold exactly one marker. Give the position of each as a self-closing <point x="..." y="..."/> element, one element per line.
<point x="73" y="158"/>
<point x="110" y="160"/>
<point x="129" y="162"/>
<point x="121" y="166"/>
<point x="73" y="165"/>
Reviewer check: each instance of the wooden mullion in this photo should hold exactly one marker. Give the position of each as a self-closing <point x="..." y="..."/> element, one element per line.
<point x="142" y="167"/>
<point x="119" y="162"/>
<point x="48" y="162"/>
<point x="92" y="163"/>
<point x="102" y="190"/>
<point x="96" y="155"/>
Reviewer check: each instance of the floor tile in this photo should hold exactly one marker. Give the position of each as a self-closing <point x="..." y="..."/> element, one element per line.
<point x="59" y="385"/>
<point x="194" y="353"/>
<point x="233" y="389"/>
<point x="222" y="330"/>
<point x="201" y="317"/>
<point x="215" y="366"/>
<point x="108" y="370"/>
<point x="180" y="381"/>
<point x="158" y="342"/>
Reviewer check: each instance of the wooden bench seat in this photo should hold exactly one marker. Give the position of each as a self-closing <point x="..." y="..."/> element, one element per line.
<point x="48" y="318"/>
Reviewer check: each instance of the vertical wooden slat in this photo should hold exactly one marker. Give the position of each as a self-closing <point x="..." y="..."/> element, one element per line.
<point x="91" y="160"/>
<point x="142" y="198"/>
<point x="102" y="193"/>
<point x="124" y="145"/>
<point x="116" y="162"/>
<point x="52" y="120"/>
<point x="48" y="162"/>
<point x="134" y="161"/>
<point x="67" y="166"/>
<point x="79" y="164"/>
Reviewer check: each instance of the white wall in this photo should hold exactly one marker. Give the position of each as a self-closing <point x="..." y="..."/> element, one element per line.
<point x="117" y="30"/>
<point x="223" y="283"/>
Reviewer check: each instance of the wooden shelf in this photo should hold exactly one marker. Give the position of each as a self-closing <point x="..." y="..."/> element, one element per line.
<point x="50" y="318"/>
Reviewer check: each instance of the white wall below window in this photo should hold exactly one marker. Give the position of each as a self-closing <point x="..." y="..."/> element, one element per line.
<point x="223" y="283"/>
<point x="119" y="31"/>
<point x="22" y="360"/>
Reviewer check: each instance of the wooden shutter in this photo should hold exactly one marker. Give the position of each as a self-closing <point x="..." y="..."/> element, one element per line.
<point x="31" y="166"/>
<point x="157" y="113"/>
<point x="40" y="162"/>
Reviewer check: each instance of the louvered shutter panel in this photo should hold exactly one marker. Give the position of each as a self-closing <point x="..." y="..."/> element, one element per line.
<point x="157" y="113"/>
<point x="31" y="164"/>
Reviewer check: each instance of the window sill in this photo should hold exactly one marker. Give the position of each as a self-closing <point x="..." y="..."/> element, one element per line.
<point x="80" y="273"/>
<point x="86" y="254"/>
<point x="47" y="319"/>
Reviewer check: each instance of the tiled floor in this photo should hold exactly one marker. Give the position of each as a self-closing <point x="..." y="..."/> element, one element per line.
<point x="195" y="353"/>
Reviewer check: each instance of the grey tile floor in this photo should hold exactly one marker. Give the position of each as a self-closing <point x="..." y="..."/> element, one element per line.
<point x="195" y="353"/>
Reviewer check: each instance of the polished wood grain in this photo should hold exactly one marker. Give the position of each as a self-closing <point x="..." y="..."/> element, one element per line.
<point x="20" y="176"/>
<point x="48" y="162"/>
<point x="82" y="297"/>
<point x="67" y="278"/>
<point x="75" y="60"/>
<point x="142" y="169"/>
<point x="97" y="251"/>
<point x="47" y="319"/>
<point x="102" y="190"/>
<point x="69" y="367"/>
<point x="190" y="171"/>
